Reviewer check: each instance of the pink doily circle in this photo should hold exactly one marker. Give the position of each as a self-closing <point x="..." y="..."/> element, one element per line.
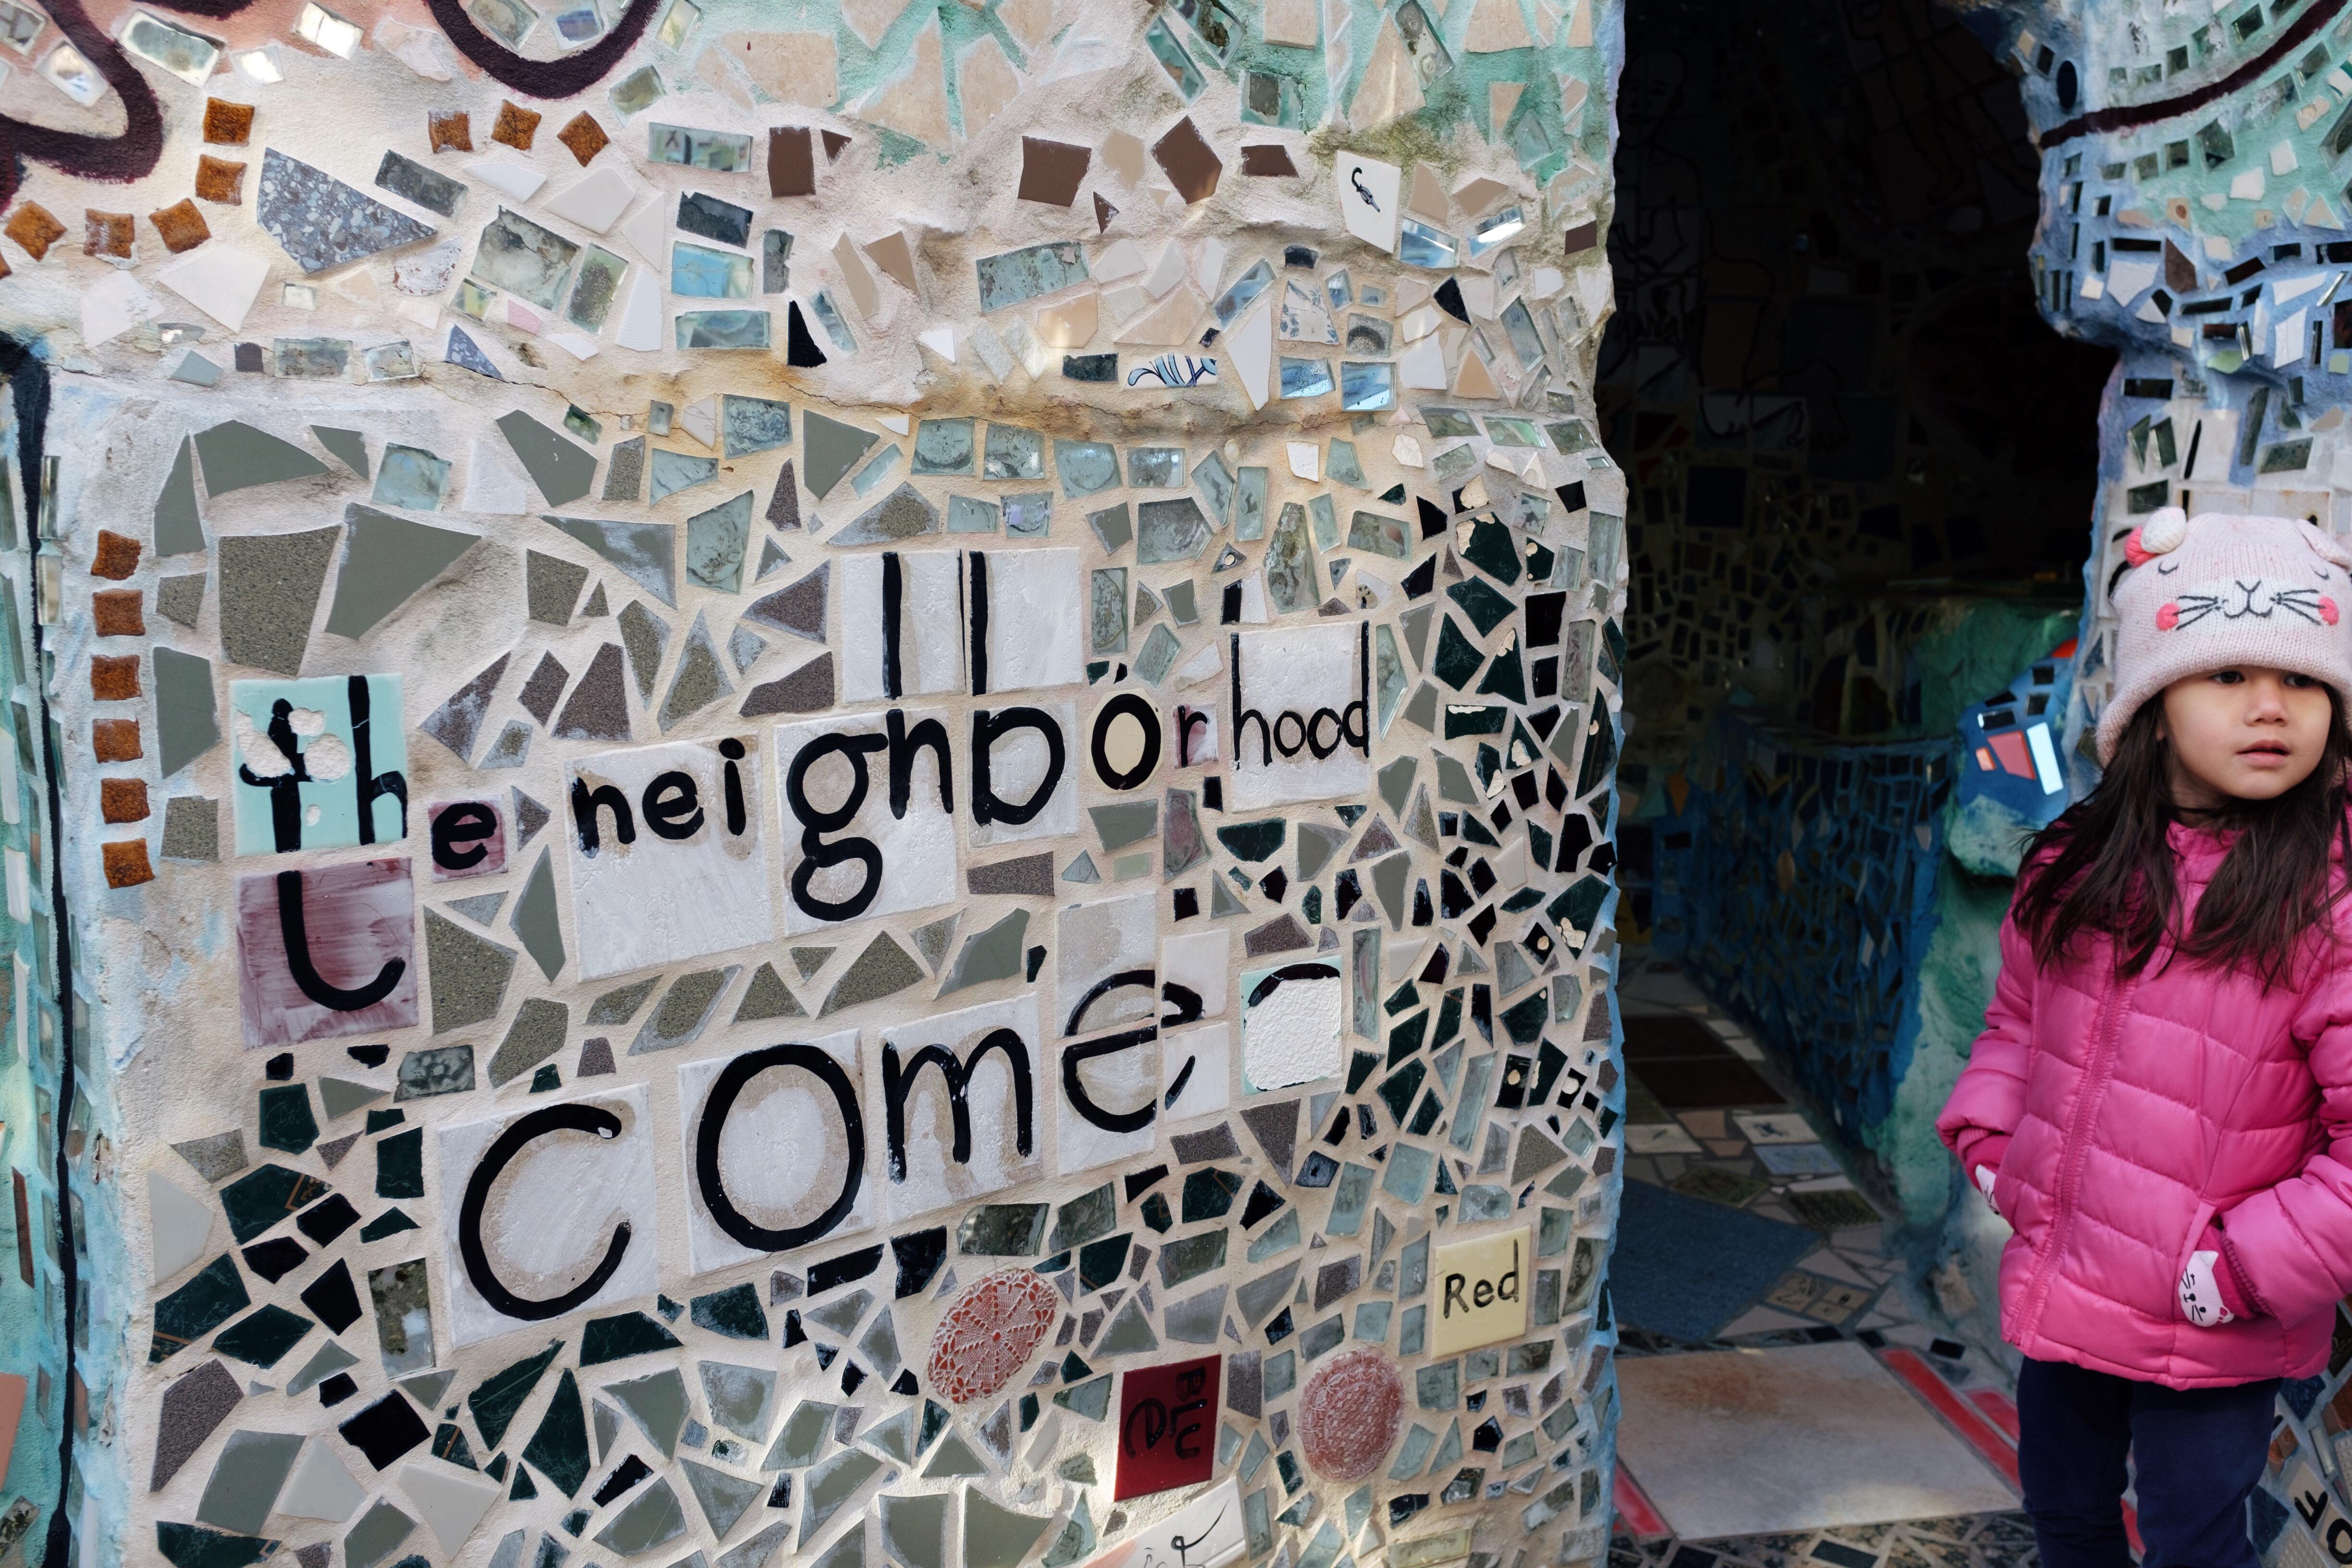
<point x="987" y="1336"/>
<point x="1349" y="1415"/>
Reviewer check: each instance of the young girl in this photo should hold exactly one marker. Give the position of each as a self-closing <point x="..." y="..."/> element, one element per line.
<point x="2161" y="1102"/>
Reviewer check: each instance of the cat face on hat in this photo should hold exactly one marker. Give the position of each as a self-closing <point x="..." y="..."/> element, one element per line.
<point x="2198" y="595"/>
<point x="2217" y="570"/>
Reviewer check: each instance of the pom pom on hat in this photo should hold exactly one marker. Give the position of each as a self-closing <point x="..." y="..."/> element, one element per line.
<point x="2159" y="535"/>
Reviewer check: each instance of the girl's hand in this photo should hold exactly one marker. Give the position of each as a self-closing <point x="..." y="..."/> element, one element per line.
<point x="1984" y="1186"/>
<point x="2200" y="1292"/>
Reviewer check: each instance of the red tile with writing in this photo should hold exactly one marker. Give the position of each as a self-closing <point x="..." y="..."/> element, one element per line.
<point x="1167" y="1425"/>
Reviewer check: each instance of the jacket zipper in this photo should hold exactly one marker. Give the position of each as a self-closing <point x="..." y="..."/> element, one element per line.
<point x="2100" y="1069"/>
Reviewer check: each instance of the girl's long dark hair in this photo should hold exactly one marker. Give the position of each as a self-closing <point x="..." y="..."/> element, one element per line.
<point x="2105" y="867"/>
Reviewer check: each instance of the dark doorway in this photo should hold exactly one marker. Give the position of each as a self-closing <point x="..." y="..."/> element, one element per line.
<point x="1860" y="477"/>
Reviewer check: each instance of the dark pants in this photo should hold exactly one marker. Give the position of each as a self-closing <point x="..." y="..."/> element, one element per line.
<point x="2197" y="1455"/>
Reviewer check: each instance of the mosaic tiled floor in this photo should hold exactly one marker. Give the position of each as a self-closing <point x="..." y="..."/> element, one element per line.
<point x="1752" y="1174"/>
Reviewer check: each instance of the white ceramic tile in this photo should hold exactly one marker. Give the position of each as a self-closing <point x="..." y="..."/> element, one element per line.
<point x="1825" y="1436"/>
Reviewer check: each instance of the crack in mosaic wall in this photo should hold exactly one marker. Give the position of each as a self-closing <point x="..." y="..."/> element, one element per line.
<point x="842" y="777"/>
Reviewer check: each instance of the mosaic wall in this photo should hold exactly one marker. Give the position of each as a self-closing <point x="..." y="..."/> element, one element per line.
<point x="840" y="776"/>
<point x="48" y="1300"/>
<point x="2194" y="216"/>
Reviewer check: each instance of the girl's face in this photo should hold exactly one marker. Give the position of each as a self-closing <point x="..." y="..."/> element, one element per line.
<point x="2244" y="733"/>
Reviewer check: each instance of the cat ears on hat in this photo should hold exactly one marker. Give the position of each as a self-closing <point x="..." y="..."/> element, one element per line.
<point x="2162" y="535"/>
<point x="2166" y="529"/>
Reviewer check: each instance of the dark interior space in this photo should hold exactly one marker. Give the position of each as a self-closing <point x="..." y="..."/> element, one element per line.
<point x="1861" y="472"/>
<point x="1826" y="374"/>
<point x="1862" y="475"/>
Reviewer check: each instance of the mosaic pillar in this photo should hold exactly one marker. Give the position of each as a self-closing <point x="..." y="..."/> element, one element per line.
<point x="836" y="779"/>
<point x="2195" y="216"/>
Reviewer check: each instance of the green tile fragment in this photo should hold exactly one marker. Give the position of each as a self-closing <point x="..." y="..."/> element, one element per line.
<point x="996" y="1536"/>
<point x="651" y="1518"/>
<point x="884" y="969"/>
<point x="734" y="1312"/>
<point x="562" y="470"/>
<point x="992" y="954"/>
<point x="262" y="1197"/>
<point x="269" y="586"/>
<point x="235" y="456"/>
<point x="767" y="997"/>
<point x="1130" y="1332"/>
<point x="558" y="1450"/>
<point x="264" y="1336"/>
<point x="738" y="1396"/>
<point x="246" y="1480"/>
<point x="801" y="1437"/>
<point x="188" y="721"/>
<point x="714" y="543"/>
<point x="645" y="552"/>
<point x="469" y="973"/>
<point x="286" y="1121"/>
<point x="700" y="680"/>
<point x="914" y="1529"/>
<point x="179" y="527"/>
<point x="620" y="1337"/>
<point x="536" y="1034"/>
<point x="954" y="1457"/>
<point x="501" y="1395"/>
<point x="1091" y="1399"/>
<point x="534" y="921"/>
<point x="657" y="1403"/>
<point x="1002" y="1230"/>
<point x="349" y="446"/>
<point x="193" y="1546"/>
<point x="832" y="1484"/>
<point x="831" y="449"/>
<point x="722" y="1498"/>
<point x="376" y="1536"/>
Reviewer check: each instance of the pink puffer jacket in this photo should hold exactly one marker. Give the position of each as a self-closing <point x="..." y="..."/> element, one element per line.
<point x="2122" y="1117"/>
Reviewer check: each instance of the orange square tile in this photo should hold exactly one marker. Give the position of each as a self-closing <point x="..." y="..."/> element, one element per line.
<point x="181" y="226"/>
<point x="113" y="677"/>
<point x="122" y="800"/>
<point x="218" y="179"/>
<point x="127" y="865"/>
<point x="227" y="124"/>
<point x="449" y="130"/>
<point x="119" y="612"/>
<point x="117" y="556"/>
<point x="584" y="136"/>
<point x="115" y="740"/>
<point x="107" y="234"/>
<point x="34" y="228"/>
<point x="517" y="127"/>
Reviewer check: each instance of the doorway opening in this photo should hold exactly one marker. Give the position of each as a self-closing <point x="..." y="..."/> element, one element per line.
<point x="1860" y="474"/>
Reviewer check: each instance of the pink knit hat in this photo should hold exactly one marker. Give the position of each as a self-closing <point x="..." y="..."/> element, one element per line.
<point x="2218" y="591"/>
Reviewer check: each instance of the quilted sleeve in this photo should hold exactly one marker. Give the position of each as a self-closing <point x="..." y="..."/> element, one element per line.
<point x="1989" y="1099"/>
<point x="2292" y="1245"/>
